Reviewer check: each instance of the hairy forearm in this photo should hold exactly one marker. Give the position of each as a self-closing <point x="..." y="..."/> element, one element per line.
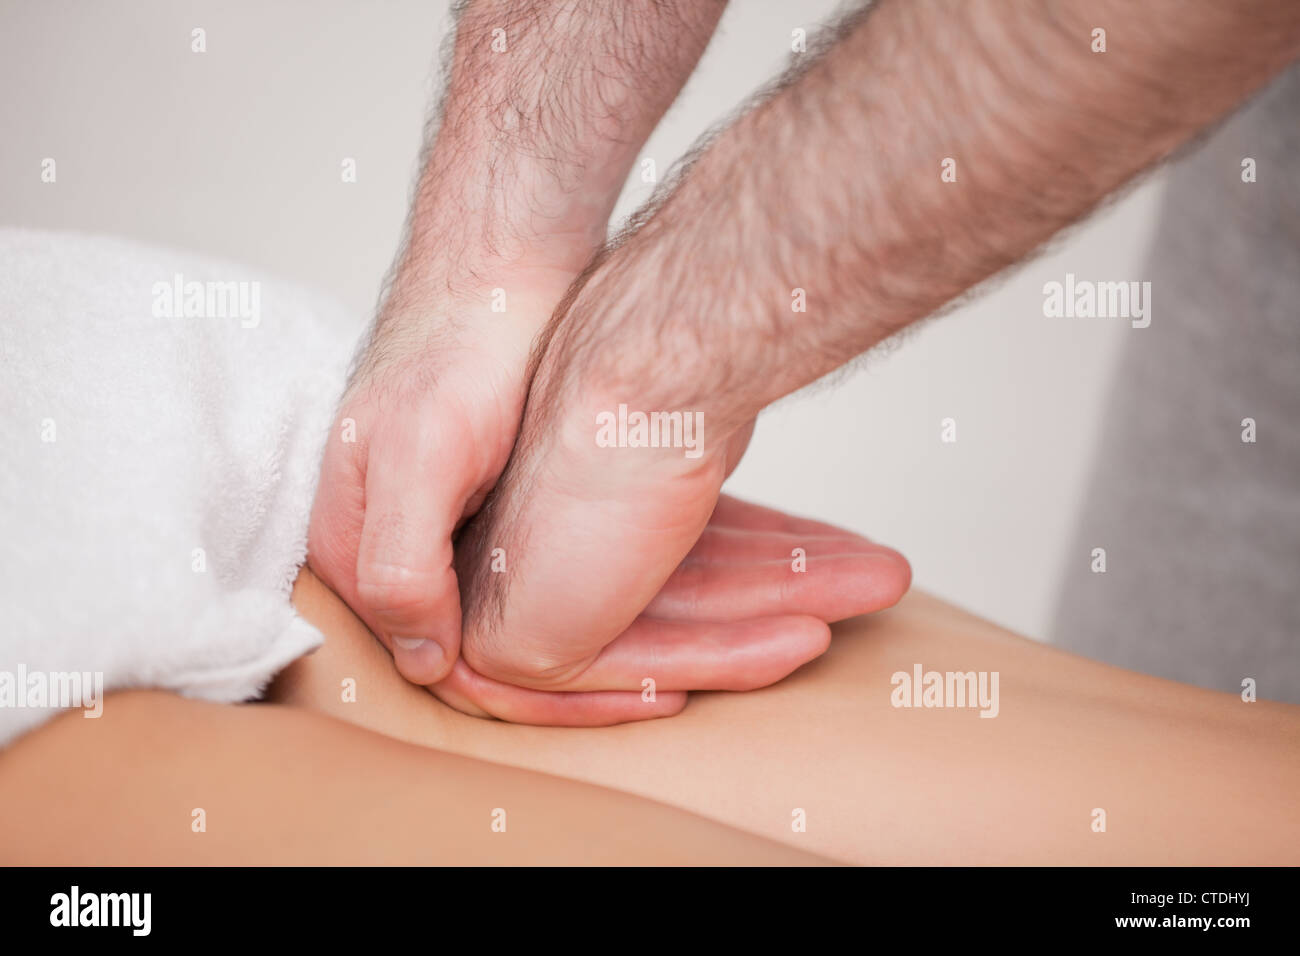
<point x="546" y="106"/>
<point x="831" y="184"/>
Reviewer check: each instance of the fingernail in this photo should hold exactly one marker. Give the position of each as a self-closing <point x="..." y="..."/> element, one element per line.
<point x="408" y="643"/>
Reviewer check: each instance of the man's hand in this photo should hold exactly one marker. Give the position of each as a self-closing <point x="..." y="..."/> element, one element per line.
<point x="780" y="254"/>
<point x="602" y="545"/>
<point x="421" y="435"/>
<point x="747" y="606"/>
<point x="546" y="106"/>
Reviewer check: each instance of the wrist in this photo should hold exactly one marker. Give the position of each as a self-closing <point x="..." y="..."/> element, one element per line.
<point x="473" y="297"/>
<point x="620" y="432"/>
<point x="499" y="209"/>
<point x="649" y="330"/>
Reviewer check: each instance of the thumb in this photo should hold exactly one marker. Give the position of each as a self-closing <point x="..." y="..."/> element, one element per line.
<point x="405" y="580"/>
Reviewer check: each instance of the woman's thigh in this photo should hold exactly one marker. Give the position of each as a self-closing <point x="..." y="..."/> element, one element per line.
<point x="159" y="779"/>
<point x="925" y="735"/>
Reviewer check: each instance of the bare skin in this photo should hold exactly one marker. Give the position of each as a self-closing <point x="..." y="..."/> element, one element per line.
<point x="830" y="183"/>
<point x="747" y="606"/>
<point x="830" y="187"/>
<point x="546" y="107"/>
<point x="1184" y="775"/>
<point x="736" y="598"/>
<point x="281" y="786"/>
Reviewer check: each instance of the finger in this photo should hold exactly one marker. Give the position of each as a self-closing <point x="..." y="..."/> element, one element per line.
<point x="405" y="580"/>
<point x="733" y="513"/>
<point x="472" y="693"/>
<point x="831" y="587"/>
<point x="691" y="655"/>
<point x="722" y="544"/>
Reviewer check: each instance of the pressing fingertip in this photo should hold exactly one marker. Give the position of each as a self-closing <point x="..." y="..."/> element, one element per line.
<point x="901" y="582"/>
<point x="420" y="659"/>
<point x="664" y="704"/>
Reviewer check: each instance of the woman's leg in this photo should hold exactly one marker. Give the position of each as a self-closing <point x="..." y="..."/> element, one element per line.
<point x="278" y="785"/>
<point x="1175" y="774"/>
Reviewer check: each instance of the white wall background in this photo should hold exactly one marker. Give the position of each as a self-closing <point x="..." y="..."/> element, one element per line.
<point x="236" y="153"/>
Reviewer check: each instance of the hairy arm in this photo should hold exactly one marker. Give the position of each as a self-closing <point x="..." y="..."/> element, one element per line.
<point x="830" y="182"/>
<point x="827" y="187"/>
<point x="546" y="106"/>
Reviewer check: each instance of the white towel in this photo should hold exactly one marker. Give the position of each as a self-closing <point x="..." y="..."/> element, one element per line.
<point x="158" y="459"/>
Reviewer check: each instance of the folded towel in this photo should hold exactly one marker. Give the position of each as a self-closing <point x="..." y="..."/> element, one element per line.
<point x="162" y="418"/>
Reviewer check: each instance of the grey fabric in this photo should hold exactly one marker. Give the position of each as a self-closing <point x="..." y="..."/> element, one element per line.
<point x="1202" y="531"/>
